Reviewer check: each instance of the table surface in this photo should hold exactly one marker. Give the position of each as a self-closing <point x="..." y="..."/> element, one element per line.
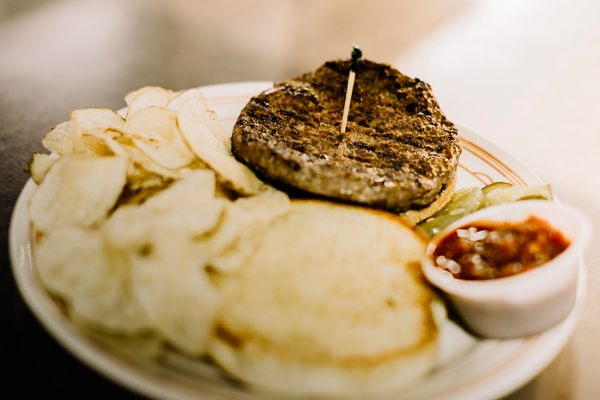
<point x="521" y="73"/>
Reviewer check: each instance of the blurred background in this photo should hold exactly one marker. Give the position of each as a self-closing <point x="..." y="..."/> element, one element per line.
<point x="523" y="74"/>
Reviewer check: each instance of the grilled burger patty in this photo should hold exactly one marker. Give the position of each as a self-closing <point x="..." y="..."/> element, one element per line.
<point x="399" y="151"/>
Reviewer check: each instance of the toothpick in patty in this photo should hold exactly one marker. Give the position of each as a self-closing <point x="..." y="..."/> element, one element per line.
<point x="356" y="54"/>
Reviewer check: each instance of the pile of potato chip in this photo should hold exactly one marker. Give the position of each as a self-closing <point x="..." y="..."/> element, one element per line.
<point x="139" y="218"/>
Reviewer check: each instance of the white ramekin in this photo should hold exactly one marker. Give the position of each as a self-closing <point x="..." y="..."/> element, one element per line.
<point x="525" y="303"/>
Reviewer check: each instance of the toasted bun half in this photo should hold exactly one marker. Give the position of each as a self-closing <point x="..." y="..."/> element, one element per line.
<point x="331" y="302"/>
<point x="413" y="217"/>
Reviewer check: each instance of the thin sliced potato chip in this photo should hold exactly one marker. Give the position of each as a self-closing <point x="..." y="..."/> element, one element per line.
<point x="143" y="173"/>
<point x="139" y="192"/>
<point x="66" y="137"/>
<point x="159" y="240"/>
<point x="199" y="112"/>
<point x="181" y="98"/>
<point x="61" y="140"/>
<point x="93" y="144"/>
<point x="188" y="206"/>
<point x="69" y="138"/>
<point x="142" y="160"/>
<point x="241" y="227"/>
<point x="78" y="190"/>
<point x="94" y="118"/>
<point x="154" y="131"/>
<point x="149" y="96"/>
<point x="210" y="145"/>
<point x="146" y="346"/>
<point x="40" y="164"/>
<point x="73" y="264"/>
<point x="107" y="137"/>
<point x="170" y="282"/>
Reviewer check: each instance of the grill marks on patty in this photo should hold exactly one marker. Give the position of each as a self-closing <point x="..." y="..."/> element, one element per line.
<point x="398" y="153"/>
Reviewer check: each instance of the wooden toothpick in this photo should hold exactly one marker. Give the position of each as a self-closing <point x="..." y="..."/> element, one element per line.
<point x="356" y="54"/>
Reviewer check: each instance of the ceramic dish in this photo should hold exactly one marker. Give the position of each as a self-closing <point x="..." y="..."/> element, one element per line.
<point x="469" y="368"/>
<point x="525" y="303"/>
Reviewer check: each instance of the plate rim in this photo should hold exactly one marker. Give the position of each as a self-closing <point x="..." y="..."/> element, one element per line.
<point x="545" y="346"/>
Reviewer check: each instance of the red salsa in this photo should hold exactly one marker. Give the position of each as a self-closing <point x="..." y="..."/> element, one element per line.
<point x="488" y="250"/>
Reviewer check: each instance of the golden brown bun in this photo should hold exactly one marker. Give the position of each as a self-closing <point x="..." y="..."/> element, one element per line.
<point x="332" y="301"/>
<point x="413" y="217"/>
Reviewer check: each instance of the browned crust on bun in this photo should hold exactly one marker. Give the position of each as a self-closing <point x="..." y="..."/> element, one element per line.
<point x="413" y="217"/>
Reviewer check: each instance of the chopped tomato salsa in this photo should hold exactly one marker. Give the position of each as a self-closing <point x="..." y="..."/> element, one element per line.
<point x="489" y="250"/>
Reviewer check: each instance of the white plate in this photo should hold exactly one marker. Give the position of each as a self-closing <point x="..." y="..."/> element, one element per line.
<point x="469" y="368"/>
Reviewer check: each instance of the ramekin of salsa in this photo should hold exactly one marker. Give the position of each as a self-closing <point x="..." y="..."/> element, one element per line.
<point x="492" y="250"/>
<point x="511" y="270"/>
